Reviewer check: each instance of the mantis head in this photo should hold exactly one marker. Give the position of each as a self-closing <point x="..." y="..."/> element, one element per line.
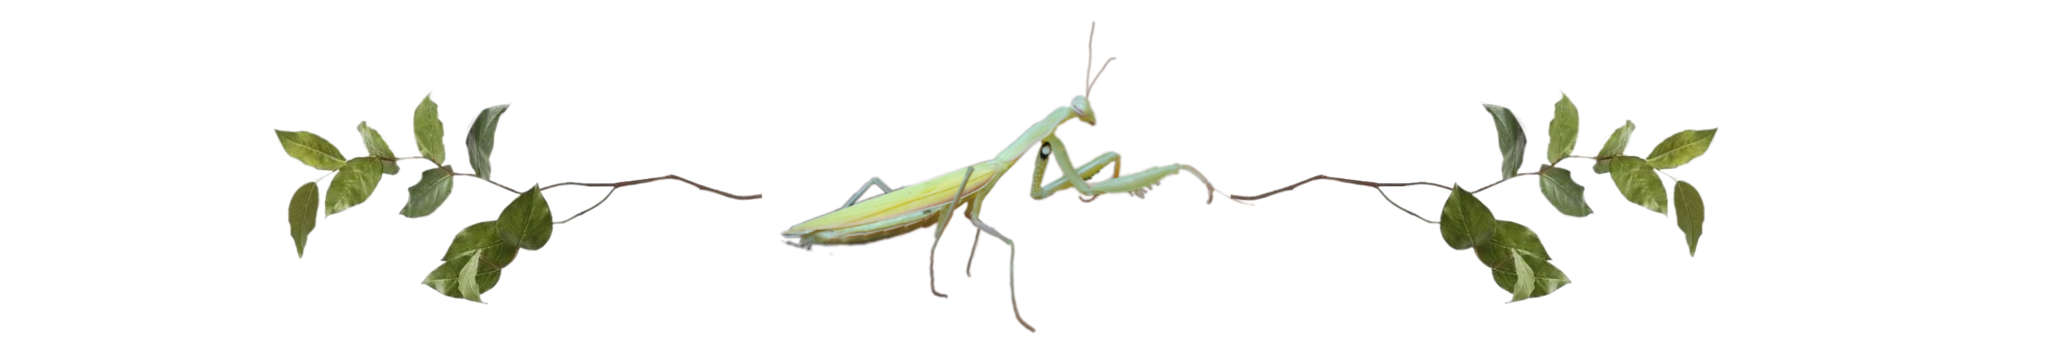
<point x="1083" y="111"/>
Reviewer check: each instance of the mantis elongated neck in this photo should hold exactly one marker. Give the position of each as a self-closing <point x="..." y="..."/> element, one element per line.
<point x="1036" y="134"/>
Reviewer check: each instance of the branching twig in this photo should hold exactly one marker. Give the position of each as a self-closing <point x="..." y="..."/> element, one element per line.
<point x="607" y="195"/>
<point x="645" y="180"/>
<point x="600" y="201"/>
<point x="1390" y="200"/>
<point x="465" y="175"/>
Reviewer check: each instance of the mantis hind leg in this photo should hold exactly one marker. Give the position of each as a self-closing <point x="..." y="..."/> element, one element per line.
<point x="872" y="182"/>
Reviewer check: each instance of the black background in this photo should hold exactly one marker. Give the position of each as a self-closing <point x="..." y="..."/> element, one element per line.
<point x="805" y="111"/>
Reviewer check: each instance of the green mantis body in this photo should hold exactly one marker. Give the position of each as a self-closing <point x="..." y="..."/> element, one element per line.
<point x="933" y="201"/>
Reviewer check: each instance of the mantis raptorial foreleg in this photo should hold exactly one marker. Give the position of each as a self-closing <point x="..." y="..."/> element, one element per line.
<point x="872" y="182"/>
<point x="1041" y="190"/>
<point x="1134" y="184"/>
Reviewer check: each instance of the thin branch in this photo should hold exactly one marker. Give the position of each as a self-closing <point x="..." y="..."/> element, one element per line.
<point x="463" y="175"/>
<point x="1390" y="200"/>
<point x="646" y="180"/>
<point x="1476" y="191"/>
<point x="607" y="195"/>
<point x="1345" y="180"/>
<point x="500" y="185"/>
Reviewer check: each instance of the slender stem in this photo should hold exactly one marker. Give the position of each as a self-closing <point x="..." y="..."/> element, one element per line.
<point x="1476" y="191"/>
<point x="646" y="180"/>
<point x="607" y="195"/>
<point x="1390" y="200"/>
<point x="1345" y="180"/>
<point x="465" y="175"/>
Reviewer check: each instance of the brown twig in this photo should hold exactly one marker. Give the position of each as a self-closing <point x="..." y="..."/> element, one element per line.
<point x="607" y="195"/>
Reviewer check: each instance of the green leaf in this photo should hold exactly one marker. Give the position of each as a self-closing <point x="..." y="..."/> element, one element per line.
<point x="1569" y="197"/>
<point x="311" y="149"/>
<point x="1638" y="182"/>
<point x="1465" y="222"/>
<point x="527" y="222"/>
<point x="426" y="130"/>
<point x="482" y="136"/>
<point x="1681" y="148"/>
<point x="473" y="263"/>
<point x="1512" y="141"/>
<point x="1519" y="263"/>
<point x="1691" y="214"/>
<point x="1564" y="129"/>
<point x="482" y="236"/>
<point x="305" y="206"/>
<point x="358" y="178"/>
<point x="378" y="148"/>
<point x="434" y="186"/>
<point x="1615" y="144"/>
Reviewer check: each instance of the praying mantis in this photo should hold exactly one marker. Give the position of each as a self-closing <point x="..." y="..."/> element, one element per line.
<point x="932" y="202"/>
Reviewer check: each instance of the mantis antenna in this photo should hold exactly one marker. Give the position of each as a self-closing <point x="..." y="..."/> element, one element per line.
<point x="1086" y="81"/>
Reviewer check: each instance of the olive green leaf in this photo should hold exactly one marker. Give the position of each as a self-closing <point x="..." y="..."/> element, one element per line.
<point x="1465" y="222"/>
<point x="482" y="135"/>
<point x="311" y="149"/>
<point x="1569" y="197"/>
<point x="434" y="186"/>
<point x="1564" y="129"/>
<point x="1615" y="144"/>
<point x="378" y="148"/>
<point x="358" y="178"/>
<point x="1681" y="148"/>
<point x="305" y="206"/>
<point x="473" y="263"/>
<point x="1512" y="141"/>
<point x="1519" y="263"/>
<point x="527" y="222"/>
<point x="426" y="130"/>
<point x="1638" y="182"/>
<point x="1691" y="214"/>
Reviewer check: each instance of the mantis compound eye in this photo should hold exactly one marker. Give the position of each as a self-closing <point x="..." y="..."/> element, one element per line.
<point x="1044" y="150"/>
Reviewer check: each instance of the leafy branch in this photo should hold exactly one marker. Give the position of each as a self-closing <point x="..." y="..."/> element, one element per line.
<point x="1513" y="253"/>
<point x="477" y="257"/>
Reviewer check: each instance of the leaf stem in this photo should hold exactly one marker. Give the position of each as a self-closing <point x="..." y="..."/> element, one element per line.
<point x="652" y="179"/>
<point x="607" y="196"/>
<point x="465" y="175"/>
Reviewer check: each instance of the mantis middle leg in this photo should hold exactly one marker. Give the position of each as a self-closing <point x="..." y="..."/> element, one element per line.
<point x="971" y="216"/>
